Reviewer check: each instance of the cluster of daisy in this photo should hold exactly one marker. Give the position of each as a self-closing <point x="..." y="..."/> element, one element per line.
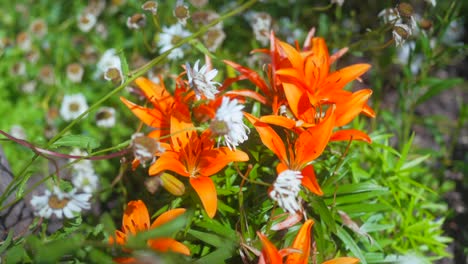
<point x="69" y="204"/>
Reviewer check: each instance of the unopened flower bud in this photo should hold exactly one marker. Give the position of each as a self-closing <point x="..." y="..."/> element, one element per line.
<point x="425" y="24"/>
<point x="172" y="184"/>
<point x="405" y="10"/>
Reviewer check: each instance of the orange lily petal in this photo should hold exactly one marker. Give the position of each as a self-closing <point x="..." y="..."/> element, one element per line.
<point x="253" y="76"/>
<point x="136" y="217"/>
<point x="151" y="117"/>
<point x="269" y="137"/>
<point x="342" y="260"/>
<point x="293" y="55"/>
<point x="301" y="242"/>
<point x="313" y="141"/>
<point x="309" y="180"/>
<point x="350" y="134"/>
<point x="206" y="190"/>
<point x="341" y="77"/>
<point x="297" y="98"/>
<point x="215" y="160"/>
<point x="352" y="107"/>
<point x="368" y="111"/>
<point x="119" y="238"/>
<point x="168" y="244"/>
<point x="154" y="92"/>
<point x="168" y="161"/>
<point x="279" y="121"/>
<point x="167" y="216"/>
<point x="248" y="93"/>
<point x="181" y="129"/>
<point x="270" y="253"/>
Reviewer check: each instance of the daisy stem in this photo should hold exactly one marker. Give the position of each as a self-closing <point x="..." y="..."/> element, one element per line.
<point x="22" y="178"/>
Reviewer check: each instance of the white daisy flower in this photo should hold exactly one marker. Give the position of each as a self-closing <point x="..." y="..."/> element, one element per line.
<point x="73" y="106"/>
<point x="75" y="72"/>
<point x="82" y="164"/>
<point x="86" y="21"/>
<point x="229" y="124"/>
<point x="62" y="204"/>
<point x="201" y="81"/>
<point x="261" y="24"/>
<point x="286" y="189"/>
<point x="105" y="117"/>
<point x="85" y="180"/>
<point x="170" y="36"/>
<point x="181" y="12"/>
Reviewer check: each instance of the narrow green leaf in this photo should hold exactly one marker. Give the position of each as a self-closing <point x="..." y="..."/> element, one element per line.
<point x="79" y="141"/>
<point x="6" y="243"/>
<point x="211" y="239"/>
<point x="354" y="188"/>
<point x="217" y="256"/>
<point x="58" y="248"/>
<point x="363" y="208"/>
<point x="326" y="216"/>
<point x="404" y="153"/>
<point x="219" y="229"/>
<point x="414" y="162"/>
<point x="351" y="244"/>
<point x="98" y="256"/>
<point x="436" y="86"/>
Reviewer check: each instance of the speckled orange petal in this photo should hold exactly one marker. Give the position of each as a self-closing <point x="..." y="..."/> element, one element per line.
<point x="301" y="242"/>
<point x="206" y="190"/>
<point x="149" y="116"/>
<point x="341" y="77"/>
<point x="136" y="217"/>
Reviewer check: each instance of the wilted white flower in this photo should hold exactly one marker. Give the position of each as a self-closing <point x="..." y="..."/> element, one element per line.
<point x="261" y="24"/>
<point x="338" y="2"/>
<point x="29" y="87"/>
<point x="73" y="106"/>
<point x="432" y="2"/>
<point x="144" y="148"/>
<point x="213" y="38"/>
<point x="228" y="123"/>
<point x="151" y="6"/>
<point x="75" y="72"/>
<point x="62" y="204"/>
<point x="400" y="33"/>
<point x="201" y="81"/>
<point x="24" y="42"/>
<point x="17" y="131"/>
<point x="38" y="27"/>
<point x="86" y="21"/>
<point x="136" y="21"/>
<point x="171" y="36"/>
<point x="105" y="117"/>
<point x="47" y="75"/>
<point x="286" y="189"/>
<point x="181" y="12"/>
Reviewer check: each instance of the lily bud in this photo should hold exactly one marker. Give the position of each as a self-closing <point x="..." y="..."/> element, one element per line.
<point x="172" y="184"/>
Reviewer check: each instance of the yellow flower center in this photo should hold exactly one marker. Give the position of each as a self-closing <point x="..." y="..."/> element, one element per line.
<point x="56" y="203"/>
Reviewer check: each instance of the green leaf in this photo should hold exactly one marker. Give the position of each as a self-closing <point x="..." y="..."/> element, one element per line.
<point x="6" y="243"/>
<point x="98" y="256"/>
<point x="354" y="198"/>
<point x="208" y="238"/>
<point x="219" y="229"/>
<point x="355" y="188"/>
<point x="326" y="216"/>
<point x="351" y="244"/>
<point x="16" y="254"/>
<point x="199" y="46"/>
<point x="414" y="162"/>
<point x="58" y="248"/>
<point x="217" y="256"/>
<point x="436" y="86"/>
<point x="166" y="230"/>
<point x="79" y="141"/>
<point x="363" y="208"/>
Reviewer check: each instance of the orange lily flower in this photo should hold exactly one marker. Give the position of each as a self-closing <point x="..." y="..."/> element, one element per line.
<point x="136" y="219"/>
<point x="307" y="146"/>
<point x="194" y="156"/>
<point x="298" y="253"/>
